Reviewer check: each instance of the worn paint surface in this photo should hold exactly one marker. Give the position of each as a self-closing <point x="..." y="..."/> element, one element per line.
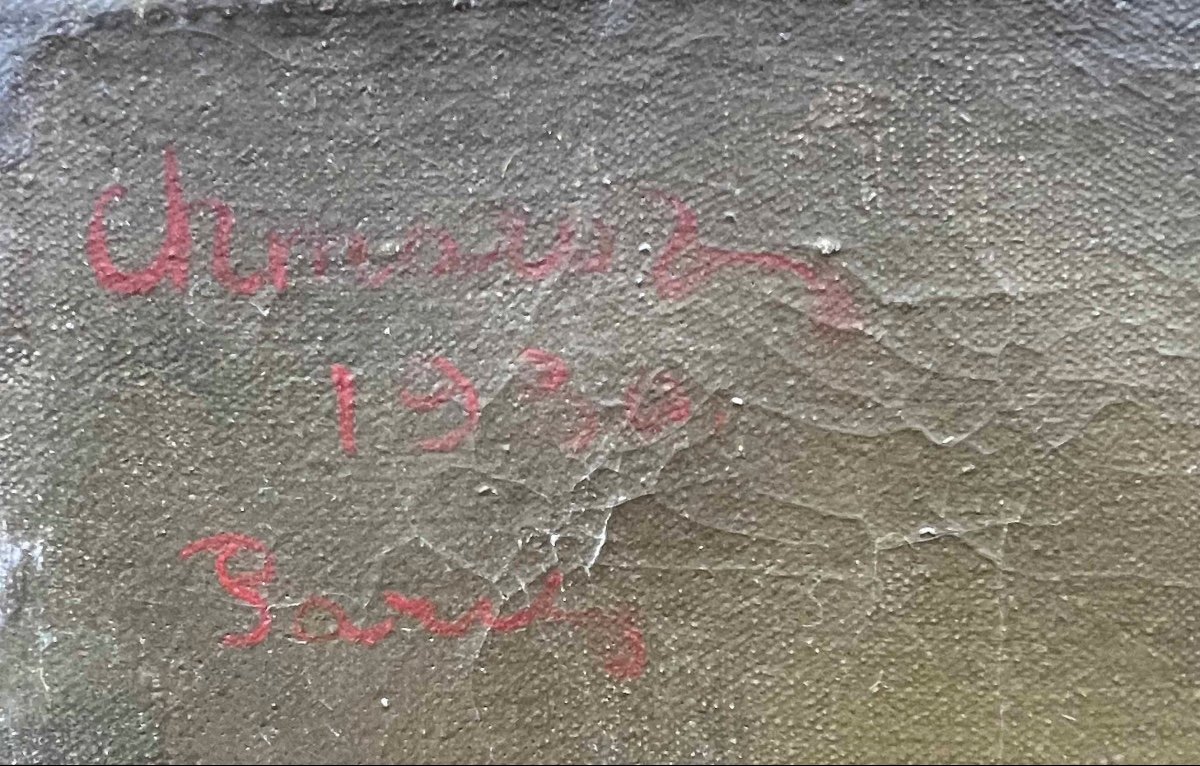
<point x="669" y="381"/>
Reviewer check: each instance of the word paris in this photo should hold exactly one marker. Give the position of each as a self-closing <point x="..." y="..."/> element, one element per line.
<point x="683" y="265"/>
<point x="613" y="633"/>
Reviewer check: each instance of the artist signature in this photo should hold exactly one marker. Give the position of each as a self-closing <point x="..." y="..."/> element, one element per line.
<point x="683" y="266"/>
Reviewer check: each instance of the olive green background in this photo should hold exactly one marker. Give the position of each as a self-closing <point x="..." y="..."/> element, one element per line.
<point x="962" y="530"/>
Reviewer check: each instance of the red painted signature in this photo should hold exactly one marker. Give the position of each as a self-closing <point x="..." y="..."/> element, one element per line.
<point x="615" y="633"/>
<point x="681" y="268"/>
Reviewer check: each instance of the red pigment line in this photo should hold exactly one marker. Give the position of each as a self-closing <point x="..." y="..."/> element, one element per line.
<point x="173" y="255"/>
<point x="482" y="613"/>
<point x="278" y="252"/>
<point x="449" y="258"/>
<point x="453" y="261"/>
<point x="560" y="251"/>
<point x="626" y="656"/>
<point x="425" y="402"/>
<point x="667" y="402"/>
<point x="343" y="628"/>
<point x="589" y="426"/>
<point x="836" y="307"/>
<point x="511" y="249"/>
<point x="552" y="372"/>
<point x="222" y="265"/>
<point x="461" y="388"/>
<point x="720" y="420"/>
<point x="320" y="254"/>
<point x="551" y="375"/>
<point x="358" y="256"/>
<point x="356" y="250"/>
<point x="601" y="260"/>
<point x="685" y="238"/>
<point x="243" y="586"/>
<point x="625" y="659"/>
<point x="343" y="387"/>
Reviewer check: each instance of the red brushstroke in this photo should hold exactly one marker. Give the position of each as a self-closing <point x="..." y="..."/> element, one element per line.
<point x="560" y="250"/>
<point x="652" y="405"/>
<point x="588" y="428"/>
<point x="426" y="402"/>
<point x="243" y="586"/>
<point x="720" y="420"/>
<point x="358" y="256"/>
<point x="551" y="375"/>
<point x="453" y="260"/>
<point x="320" y="255"/>
<point x="460" y="389"/>
<point x="173" y="255"/>
<point x="356" y="251"/>
<point x="279" y="251"/>
<point x="836" y="307"/>
<point x="624" y="648"/>
<point x="482" y="613"/>
<point x="600" y="261"/>
<point x="552" y="372"/>
<point x="222" y="266"/>
<point x="343" y="628"/>
<point x="343" y="387"/>
<point x="624" y="657"/>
